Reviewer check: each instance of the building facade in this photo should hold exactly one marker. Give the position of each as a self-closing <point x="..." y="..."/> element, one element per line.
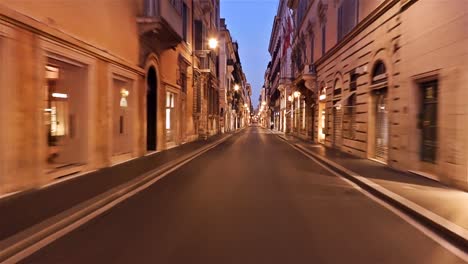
<point x="234" y="90"/>
<point x="77" y="98"/>
<point x="383" y="83"/>
<point x="279" y="79"/>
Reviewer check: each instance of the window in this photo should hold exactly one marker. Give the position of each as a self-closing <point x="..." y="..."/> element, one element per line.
<point x="64" y="94"/>
<point x="324" y="38"/>
<point x="348" y="13"/>
<point x="177" y="4"/>
<point x="337" y="88"/>
<point x="199" y="35"/>
<point x="353" y="81"/>
<point x="301" y="10"/>
<point x="184" y="21"/>
<point x="182" y="78"/>
<point x="312" y="47"/>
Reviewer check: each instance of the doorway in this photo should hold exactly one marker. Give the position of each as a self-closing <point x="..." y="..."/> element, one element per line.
<point x="151" y="109"/>
<point x="321" y="124"/>
<point x="337" y="126"/>
<point x="428" y="121"/>
<point x="381" y="125"/>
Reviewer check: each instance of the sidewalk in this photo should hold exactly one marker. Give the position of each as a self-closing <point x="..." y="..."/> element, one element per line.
<point x="444" y="208"/>
<point x="26" y="209"/>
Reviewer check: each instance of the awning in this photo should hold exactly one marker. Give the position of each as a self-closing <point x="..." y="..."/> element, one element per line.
<point x="343" y="100"/>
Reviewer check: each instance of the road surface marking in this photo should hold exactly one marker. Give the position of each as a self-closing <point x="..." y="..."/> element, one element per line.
<point x="74" y="224"/>
<point x="429" y="233"/>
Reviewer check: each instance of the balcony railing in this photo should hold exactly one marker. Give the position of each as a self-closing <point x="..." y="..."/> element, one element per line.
<point x="206" y="61"/>
<point x="162" y="19"/>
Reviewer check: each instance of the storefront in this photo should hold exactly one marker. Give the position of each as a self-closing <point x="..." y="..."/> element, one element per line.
<point x="322" y="115"/>
<point x="123" y="105"/>
<point x="171" y="125"/>
<point x="379" y="96"/>
<point x="337" y="114"/>
<point x="65" y="114"/>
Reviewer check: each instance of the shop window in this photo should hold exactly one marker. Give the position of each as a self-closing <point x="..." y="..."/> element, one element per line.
<point x="65" y="113"/>
<point x="122" y="119"/>
<point x="349" y="118"/>
<point x="170" y="116"/>
<point x="56" y="111"/>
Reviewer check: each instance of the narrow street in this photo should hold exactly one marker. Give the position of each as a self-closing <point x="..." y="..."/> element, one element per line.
<point x="252" y="199"/>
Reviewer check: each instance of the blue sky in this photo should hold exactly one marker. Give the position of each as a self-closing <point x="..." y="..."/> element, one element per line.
<point x="250" y="22"/>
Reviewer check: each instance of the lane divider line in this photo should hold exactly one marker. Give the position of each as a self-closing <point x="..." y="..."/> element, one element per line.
<point x="381" y="195"/>
<point x="38" y="240"/>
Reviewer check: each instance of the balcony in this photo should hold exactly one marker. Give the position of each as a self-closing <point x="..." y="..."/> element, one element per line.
<point x="162" y="20"/>
<point x="309" y="75"/>
<point x="206" y="62"/>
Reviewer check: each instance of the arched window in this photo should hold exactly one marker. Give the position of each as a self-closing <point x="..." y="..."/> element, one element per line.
<point x="337" y="88"/>
<point x="379" y="73"/>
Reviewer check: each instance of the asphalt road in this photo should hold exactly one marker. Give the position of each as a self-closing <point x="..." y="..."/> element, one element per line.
<point x="252" y="199"/>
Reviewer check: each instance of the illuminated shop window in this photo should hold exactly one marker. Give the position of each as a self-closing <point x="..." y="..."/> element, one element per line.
<point x="169" y="109"/>
<point x="56" y="111"/>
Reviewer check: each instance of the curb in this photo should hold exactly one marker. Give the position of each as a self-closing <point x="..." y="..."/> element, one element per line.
<point x="454" y="233"/>
<point x="26" y="239"/>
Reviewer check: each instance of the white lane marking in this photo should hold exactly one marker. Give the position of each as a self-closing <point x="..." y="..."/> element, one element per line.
<point x="28" y="251"/>
<point x="429" y="233"/>
<point x="8" y="194"/>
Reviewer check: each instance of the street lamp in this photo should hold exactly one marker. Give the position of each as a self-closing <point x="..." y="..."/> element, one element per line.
<point x="213" y="43"/>
<point x="236" y="87"/>
<point x="297" y="94"/>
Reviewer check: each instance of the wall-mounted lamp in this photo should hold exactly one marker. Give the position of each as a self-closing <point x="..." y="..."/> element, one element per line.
<point x="213" y="43"/>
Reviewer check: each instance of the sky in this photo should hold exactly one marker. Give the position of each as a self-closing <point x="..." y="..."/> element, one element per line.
<point x="250" y="23"/>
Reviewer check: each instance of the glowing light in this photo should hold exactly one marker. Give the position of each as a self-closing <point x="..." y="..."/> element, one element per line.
<point x="59" y="95"/>
<point x="124" y="92"/>
<point x="213" y="43"/>
<point x="236" y="87"/>
<point x="297" y="94"/>
<point x="322" y="97"/>
<point x="263" y="103"/>
<point x="290" y="99"/>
